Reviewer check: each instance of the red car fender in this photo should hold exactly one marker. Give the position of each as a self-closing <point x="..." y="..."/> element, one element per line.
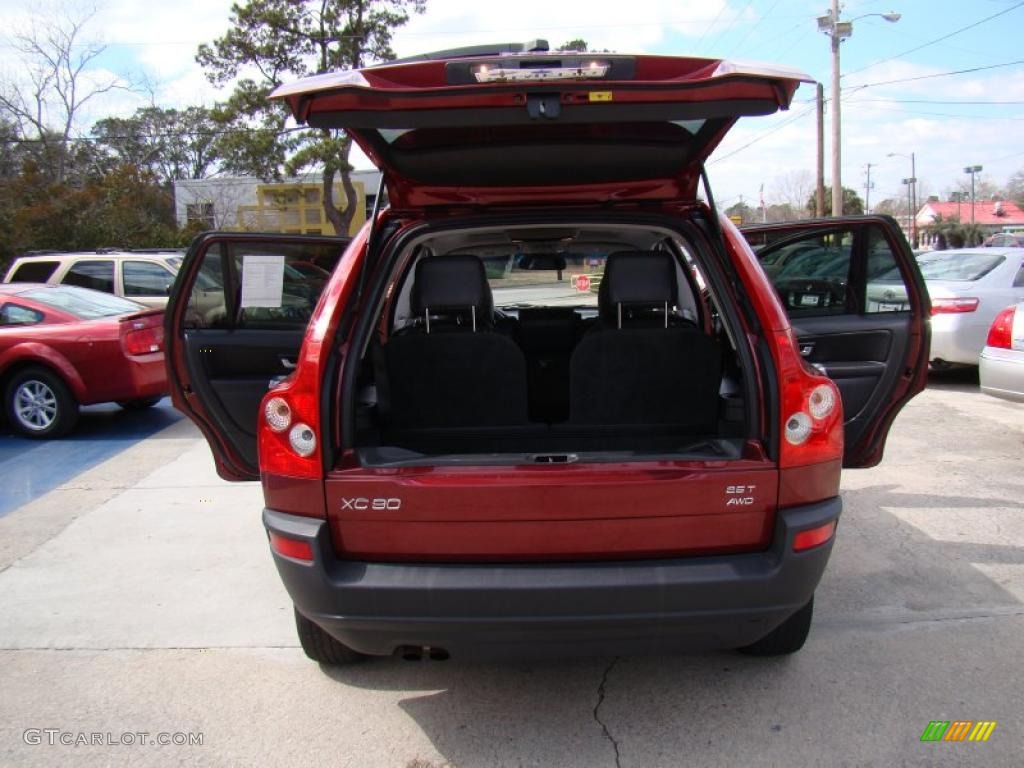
<point x="34" y="352"/>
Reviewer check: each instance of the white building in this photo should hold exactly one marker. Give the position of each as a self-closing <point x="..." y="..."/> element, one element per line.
<point x="292" y="205"/>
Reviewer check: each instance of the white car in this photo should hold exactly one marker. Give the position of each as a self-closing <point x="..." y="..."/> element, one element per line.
<point x="143" y="276"/>
<point x="1002" y="360"/>
<point x="968" y="287"/>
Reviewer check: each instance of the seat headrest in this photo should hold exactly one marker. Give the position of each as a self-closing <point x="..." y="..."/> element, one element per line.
<point x="453" y="283"/>
<point x="637" y="279"/>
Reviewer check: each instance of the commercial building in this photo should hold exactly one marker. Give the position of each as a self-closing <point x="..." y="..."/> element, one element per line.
<point x="292" y="205"/>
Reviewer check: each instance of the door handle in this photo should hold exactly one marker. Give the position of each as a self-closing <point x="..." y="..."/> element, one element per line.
<point x="806" y="350"/>
<point x="287" y="363"/>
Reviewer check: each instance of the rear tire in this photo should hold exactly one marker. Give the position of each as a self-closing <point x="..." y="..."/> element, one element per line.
<point x="320" y="646"/>
<point x="140" y="404"/>
<point x="788" y="637"/>
<point x="39" y="404"/>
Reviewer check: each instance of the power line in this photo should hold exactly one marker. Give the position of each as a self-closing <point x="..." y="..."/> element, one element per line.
<point x="167" y="135"/>
<point x="750" y="29"/>
<point x="710" y="27"/>
<point x="731" y="24"/>
<point x="764" y="135"/>
<point x="952" y="102"/>
<point x="936" y="40"/>
<point x="954" y="116"/>
<point x="856" y="88"/>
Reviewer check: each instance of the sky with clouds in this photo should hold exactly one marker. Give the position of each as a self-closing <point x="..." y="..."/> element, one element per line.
<point x="897" y="96"/>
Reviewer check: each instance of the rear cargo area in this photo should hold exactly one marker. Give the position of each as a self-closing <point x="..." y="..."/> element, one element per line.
<point x="552" y="392"/>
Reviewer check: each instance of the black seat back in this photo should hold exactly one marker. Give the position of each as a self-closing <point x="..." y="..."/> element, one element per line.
<point x="639" y="365"/>
<point x="453" y="369"/>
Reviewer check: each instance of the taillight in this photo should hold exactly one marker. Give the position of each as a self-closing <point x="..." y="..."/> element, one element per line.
<point x="142" y="335"/>
<point x="812" y="412"/>
<point x="813" y="537"/>
<point x="287" y="441"/>
<point x="1001" y="333"/>
<point x="954" y="306"/>
<point x="299" y="550"/>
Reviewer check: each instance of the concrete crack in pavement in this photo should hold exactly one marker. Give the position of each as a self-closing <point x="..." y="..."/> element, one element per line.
<point x="597" y="707"/>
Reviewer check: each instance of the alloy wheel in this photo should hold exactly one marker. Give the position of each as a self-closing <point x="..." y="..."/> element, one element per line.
<point x="35" y="405"/>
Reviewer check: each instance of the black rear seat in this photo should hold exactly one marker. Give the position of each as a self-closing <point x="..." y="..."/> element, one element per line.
<point x="453" y="370"/>
<point x="640" y="365"/>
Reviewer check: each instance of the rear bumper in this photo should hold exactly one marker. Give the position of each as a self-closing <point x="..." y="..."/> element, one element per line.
<point x="555" y="609"/>
<point x="148" y="375"/>
<point x="1001" y="373"/>
<point x="957" y="338"/>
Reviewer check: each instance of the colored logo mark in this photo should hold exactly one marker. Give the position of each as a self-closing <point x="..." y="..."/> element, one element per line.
<point x="958" y="730"/>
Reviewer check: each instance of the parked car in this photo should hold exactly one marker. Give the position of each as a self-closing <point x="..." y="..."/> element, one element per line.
<point x="968" y="287"/>
<point x="62" y="347"/>
<point x="1001" y="369"/>
<point x="460" y="465"/>
<point x="1005" y="240"/>
<point x="141" y="276"/>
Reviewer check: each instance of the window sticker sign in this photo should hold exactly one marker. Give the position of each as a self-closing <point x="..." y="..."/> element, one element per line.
<point x="262" y="280"/>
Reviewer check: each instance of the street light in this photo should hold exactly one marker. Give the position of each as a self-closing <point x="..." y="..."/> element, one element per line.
<point x="973" y="170"/>
<point x="838" y="31"/>
<point x="911" y="194"/>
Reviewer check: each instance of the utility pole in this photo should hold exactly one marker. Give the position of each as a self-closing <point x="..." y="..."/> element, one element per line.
<point x="913" y="200"/>
<point x="819" y="197"/>
<point x="973" y="170"/>
<point x="911" y="195"/>
<point x="837" y="184"/>
<point x="910" y="208"/>
<point x="867" y="189"/>
<point x="838" y="31"/>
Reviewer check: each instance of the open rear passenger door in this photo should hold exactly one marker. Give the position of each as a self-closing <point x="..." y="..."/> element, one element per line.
<point x="859" y="308"/>
<point x="235" y="322"/>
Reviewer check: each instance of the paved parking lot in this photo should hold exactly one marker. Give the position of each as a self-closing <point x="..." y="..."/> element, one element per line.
<point x="30" y="468"/>
<point x="139" y="597"/>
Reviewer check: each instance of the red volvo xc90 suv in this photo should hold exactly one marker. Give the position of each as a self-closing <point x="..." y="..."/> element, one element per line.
<point x="550" y="401"/>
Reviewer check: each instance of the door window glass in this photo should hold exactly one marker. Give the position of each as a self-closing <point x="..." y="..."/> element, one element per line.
<point x="207" y="304"/>
<point x="34" y="272"/>
<point x="810" y="272"/>
<point x="1018" y="280"/>
<point x="269" y="285"/>
<point x="143" y="278"/>
<point x="15" y="314"/>
<point x="886" y="290"/>
<point x="98" y="275"/>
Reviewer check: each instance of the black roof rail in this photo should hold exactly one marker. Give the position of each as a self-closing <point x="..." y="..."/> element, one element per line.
<point x="473" y="51"/>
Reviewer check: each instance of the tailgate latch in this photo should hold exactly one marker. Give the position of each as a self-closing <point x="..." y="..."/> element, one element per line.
<point x="546" y="105"/>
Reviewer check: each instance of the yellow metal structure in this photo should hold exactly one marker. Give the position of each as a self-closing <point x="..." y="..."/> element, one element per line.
<point x="298" y="209"/>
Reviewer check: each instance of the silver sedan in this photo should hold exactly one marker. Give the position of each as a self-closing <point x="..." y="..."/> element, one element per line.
<point x="1002" y="360"/>
<point x="968" y="287"/>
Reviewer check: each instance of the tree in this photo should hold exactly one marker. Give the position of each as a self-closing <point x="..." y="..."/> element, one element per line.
<point x="271" y="41"/>
<point x="123" y="207"/>
<point x="55" y="83"/>
<point x="1015" y="187"/>
<point x="578" y="45"/>
<point x="852" y="204"/>
<point x="793" y="189"/>
<point x="984" y="189"/>
<point x="892" y="206"/>
<point x="170" y="144"/>
<point x="952" y="233"/>
<point x="744" y="212"/>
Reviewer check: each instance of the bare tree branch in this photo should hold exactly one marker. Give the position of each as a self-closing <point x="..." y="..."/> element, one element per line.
<point x="57" y="79"/>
